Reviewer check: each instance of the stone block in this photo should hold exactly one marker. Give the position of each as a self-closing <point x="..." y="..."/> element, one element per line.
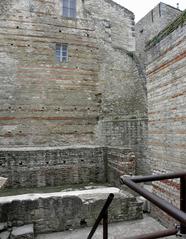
<point x="24" y="232"/>
<point x="3" y="182"/>
<point x="3" y="226"/>
<point x="5" y="235"/>
<point x="67" y="210"/>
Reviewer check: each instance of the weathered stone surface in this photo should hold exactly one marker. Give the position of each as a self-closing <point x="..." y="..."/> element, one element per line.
<point x="119" y="162"/>
<point x="166" y="86"/>
<point x="3" y="182"/>
<point x="66" y="210"/>
<point x="151" y="24"/>
<point x="3" y="226"/>
<point x="4" y="235"/>
<point x="98" y="97"/>
<point x="24" y="232"/>
<point x="45" y="103"/>
<point x="116" y="230"/>
<point x="145" y="29"/>
<point x="39" y="167"/>
<point x="124" y="132"/>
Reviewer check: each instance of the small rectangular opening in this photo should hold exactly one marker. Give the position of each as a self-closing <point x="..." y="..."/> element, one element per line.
<point x="62" y="52"/>
<point x="69" y="8"/>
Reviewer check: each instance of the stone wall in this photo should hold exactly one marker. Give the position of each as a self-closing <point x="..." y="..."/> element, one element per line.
<point x="70" y="210"/>
<point x="40" y="167"/>
<point x="166" y="86"/>
<point x="130" y="133"/>
<point x="151" y="24"/>
<point x="46" y="103"/>
<point x="120" y="162"/>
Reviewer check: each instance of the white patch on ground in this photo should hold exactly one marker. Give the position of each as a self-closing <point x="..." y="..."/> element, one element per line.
<point x="100" y="191"/>
<point x="27" y="229"/>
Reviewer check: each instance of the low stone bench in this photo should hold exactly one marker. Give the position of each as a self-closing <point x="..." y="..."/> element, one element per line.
<point x="52" y="212"/>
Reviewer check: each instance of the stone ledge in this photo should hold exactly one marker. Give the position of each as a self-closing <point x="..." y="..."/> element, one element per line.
<point x="58" y="166"/>
<point x="61" y="211"/>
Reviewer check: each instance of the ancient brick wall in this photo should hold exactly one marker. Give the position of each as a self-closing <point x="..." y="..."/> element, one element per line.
<point x="58" y="166"/>
<point x="62" y="211"/>
<point x="119" y="162"/>
<point x="130" y="133"/>
<point x="47" y="103"/>
<point x="119" y="22"/>
<point x="166" y="86"/>
<point x="151" y="24"/>
<point x="43" y="102"/>
<point x="39" y="167"/>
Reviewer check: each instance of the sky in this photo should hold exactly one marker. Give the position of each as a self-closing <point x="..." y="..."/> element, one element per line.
<point x="141" y="7"/>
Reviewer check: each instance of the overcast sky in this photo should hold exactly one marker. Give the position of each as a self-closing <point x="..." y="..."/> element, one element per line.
<point x="141" y="7"/>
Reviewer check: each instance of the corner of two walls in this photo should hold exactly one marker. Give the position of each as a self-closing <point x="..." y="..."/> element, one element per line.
<point x="166" y="83"/>
<point x="123" y="121"/>
<point x="123" y="114"/>
<point x="55" y="111"/>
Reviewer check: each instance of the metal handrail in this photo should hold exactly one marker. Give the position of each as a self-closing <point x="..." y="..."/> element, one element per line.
<point x="158" y="177"/>
<point x="161" y="234"/>
<point x="103" y="215"/>
<point x="178" y="214"/>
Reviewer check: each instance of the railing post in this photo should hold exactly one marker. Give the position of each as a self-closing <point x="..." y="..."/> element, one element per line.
<point x="183" y="203"/>
<point x="105" y="225"/>
<point x="103" y="215"/>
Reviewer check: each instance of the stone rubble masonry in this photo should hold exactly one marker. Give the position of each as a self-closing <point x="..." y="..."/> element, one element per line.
<point x="119" y="162"/>
<point x="57" y="166"/>
<point x="129" y="132"/>
<point x="166" y="86"/>
<point x="67" y="210"/>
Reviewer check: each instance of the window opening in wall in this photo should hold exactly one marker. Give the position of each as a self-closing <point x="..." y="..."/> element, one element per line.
<point x="69" y="8"/>
<point x="62" y="52"/>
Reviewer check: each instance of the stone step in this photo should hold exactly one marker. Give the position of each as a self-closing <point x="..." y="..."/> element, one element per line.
<point x="53" y="212"/>
<point x="116" y="230"/>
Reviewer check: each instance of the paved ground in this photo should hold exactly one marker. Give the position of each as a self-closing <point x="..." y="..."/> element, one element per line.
<point x="116" y="230"/>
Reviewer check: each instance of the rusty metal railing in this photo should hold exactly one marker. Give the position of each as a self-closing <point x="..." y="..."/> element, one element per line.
<point x="178" y="214"/>
<point x="103" y="215"/>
